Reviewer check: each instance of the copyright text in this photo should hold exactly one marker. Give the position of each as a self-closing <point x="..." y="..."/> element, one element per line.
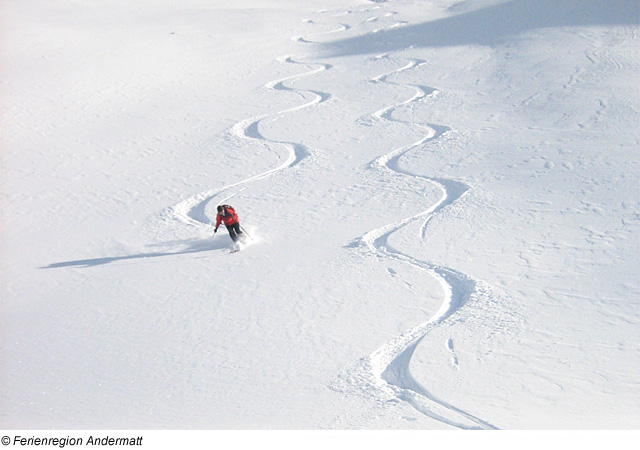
<point x="69" y="441"/>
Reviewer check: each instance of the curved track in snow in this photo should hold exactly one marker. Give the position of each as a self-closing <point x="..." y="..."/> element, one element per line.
<point x="388" y="368"/>
<point x="192" y="210"/>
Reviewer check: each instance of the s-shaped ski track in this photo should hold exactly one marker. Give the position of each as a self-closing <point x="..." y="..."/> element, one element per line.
<point x="192" y="211"/>
<point x="387" y="369"/>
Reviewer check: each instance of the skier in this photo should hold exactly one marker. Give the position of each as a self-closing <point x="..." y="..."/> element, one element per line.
<point x="228" y="216"/>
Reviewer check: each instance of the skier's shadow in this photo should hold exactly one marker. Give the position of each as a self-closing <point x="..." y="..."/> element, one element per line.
<point x="193" y="246"/>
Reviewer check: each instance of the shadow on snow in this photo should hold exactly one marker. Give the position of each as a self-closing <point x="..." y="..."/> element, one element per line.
<point x="195" y="246"/>
<point x="492" y="25"/>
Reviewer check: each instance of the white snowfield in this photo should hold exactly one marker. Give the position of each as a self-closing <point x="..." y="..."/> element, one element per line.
<point x="442" y="196"/>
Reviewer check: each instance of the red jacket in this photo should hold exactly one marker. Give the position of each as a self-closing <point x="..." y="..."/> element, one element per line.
<point x="229" y="218"/>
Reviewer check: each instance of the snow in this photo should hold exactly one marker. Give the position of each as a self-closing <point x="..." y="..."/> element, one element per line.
<point x="443" y="198"/>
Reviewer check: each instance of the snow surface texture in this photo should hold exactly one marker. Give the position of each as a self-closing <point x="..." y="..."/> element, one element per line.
<point x="442" y="198"/>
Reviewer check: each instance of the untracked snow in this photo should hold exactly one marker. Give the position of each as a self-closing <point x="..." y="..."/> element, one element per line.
<point x="441" y="197"/>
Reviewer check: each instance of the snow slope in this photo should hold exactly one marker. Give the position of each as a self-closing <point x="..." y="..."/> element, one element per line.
<point x="442" y="198"/>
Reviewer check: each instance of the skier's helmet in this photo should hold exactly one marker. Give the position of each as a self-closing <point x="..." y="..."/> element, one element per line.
<point x="220" y="209"/>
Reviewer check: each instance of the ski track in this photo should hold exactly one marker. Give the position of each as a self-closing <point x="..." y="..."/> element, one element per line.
<point x="306" y="39"/>
<point x="192" y="210"/>
<point x="388" y="368"/>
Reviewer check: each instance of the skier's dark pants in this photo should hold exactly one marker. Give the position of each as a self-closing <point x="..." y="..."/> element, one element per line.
<point x="234" y="231"/>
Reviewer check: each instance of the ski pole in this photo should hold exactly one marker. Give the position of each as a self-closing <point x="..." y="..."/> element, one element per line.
<point x="245" y="231"/>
